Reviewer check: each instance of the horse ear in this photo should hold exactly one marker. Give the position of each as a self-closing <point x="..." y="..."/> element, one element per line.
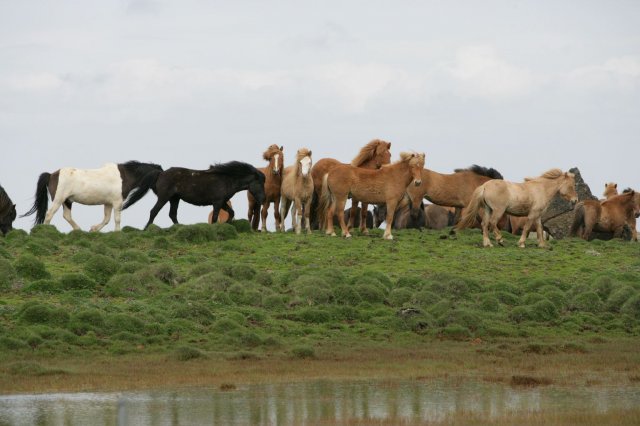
<point x="388" y="145"/>
<point x="309" y="153"/>
<point x="615" y="186"/>
<point x="281" y="147"/>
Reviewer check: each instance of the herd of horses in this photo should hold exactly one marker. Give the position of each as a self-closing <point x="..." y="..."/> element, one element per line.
<point x="316" y="195"/>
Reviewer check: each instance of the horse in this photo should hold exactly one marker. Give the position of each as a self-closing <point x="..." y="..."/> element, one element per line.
<point x="610" y="215"/>
<point x="297" y="187"/>
<point x="373" y="155"/>
<point x="223" y="216"/>
<point x="273" y="179"/>
<point x="7" y="212"/>
<point x="212" y="187"/>
<point x="516" y="226"/>
<point x="451" y="190"/>
<point x="530" y="199"/>
<point x="438" y="217"/>
<point x="403" y="218"/>
<point x="385" y="185"/>
<point x="610" y="190"/>
<point x="117" y="186"/>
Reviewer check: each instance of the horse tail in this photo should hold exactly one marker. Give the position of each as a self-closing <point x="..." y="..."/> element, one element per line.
<point x="471" y="211"/>
<point x="41" y="203"/>
<point x="326" y="199"/>
<point x="146" y="183"/>
<point x="578" y="220"/>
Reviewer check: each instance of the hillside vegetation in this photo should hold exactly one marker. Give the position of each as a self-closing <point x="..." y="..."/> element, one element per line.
<point x="222" y="292"/>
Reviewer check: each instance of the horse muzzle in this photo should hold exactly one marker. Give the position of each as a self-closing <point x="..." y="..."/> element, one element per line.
<point x="417" y="182"/>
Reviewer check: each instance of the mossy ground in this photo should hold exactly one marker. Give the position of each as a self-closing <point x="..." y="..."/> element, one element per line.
<point x="209" y="296"/>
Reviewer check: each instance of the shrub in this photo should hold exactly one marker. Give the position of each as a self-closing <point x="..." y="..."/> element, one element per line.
<point x="241" y="272"/>
<point x="48" y="286"/>
<point x="207" y="286"/>
<point x="29" y="267"/>
<point x="86" y="320"/>
<point x="274" y="301"/>
<point x="225" y="325"/>
<point x="187" y="353"/>
<point x="413" y="282"/>
<point x="7" y="274"/>
<point x="425" y="298"/>
<point x="399" y="297"/>
<point x="123" y="322"/>
<point x="587" y="302"/>
<point x="455" y="332"/>
<point x="632" y="307"/>
<point x="204" y="232"/>
<point x="531" y="298"/>
<point x="542" y="311"/>
<point x="489" y="303"/>
<point x="201" y="269"/>
<point x="346" y="295"/>
<point x="124" y="285"/>
<point x="618" y="297"/>
<point x="132" y="255"/>
<point x="370" y="293"/>
<point x="556" y="297"/>
<point x="373" y="278"/>
<point x="16" y="237"/>
<point x="241" y="225"/>
<point x="76" y="281"/>
<point x="131" y="267"/>
<point x="519" y="314"/>
<point x="12" y="344"/>
<point x="161" y="243"/>
<point x="41" y="248"/>
<point x="312" y="315"/>
<point x="197" y="312"/>
<point x="4" y="253"/>
<point x="39" y="313"/>
<point x="303" y="352"/>
<point x="507" y="298"/>
<point x="100" y="268"/>
<point x="165" y="273"/>
<point x="603" y="286"/>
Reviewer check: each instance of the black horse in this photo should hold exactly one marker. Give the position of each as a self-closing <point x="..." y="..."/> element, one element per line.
<point x="7" y="212"/>
<point x="212" y="187"/>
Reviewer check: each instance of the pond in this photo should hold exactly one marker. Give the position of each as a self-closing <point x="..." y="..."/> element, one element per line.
<point x="309" y="403"/>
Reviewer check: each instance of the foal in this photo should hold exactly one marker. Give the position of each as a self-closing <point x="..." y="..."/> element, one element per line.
<point x="273" y="180"/>
<point x="297" y="187"/>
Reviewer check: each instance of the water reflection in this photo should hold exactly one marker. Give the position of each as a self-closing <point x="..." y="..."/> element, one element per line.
<point x="304" y="403"/>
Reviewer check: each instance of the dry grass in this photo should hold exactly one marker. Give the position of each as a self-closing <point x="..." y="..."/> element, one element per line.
<point x="618" y="362"/>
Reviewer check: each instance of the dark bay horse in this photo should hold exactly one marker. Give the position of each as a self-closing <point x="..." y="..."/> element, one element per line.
<point x="373" y="155"/>
<point x="110" y="185"/>
<point x="7" y="212"/>
<point x="385" y="185"/>
<point x="212" y="187"/>
<point x="273" y="180"/>
<point x="610" y="215"/>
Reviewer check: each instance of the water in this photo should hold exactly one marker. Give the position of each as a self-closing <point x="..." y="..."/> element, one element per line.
<point x="307" y="403"/>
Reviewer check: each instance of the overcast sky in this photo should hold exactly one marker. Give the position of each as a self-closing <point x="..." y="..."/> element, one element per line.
<point x="522" y="86"/>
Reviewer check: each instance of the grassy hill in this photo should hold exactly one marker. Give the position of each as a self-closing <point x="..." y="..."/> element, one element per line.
<point x="246" y="305"/>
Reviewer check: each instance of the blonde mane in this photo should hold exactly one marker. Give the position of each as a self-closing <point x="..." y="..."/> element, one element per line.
<point x="272" y="150"/>
<point x="369" y="151"/>
<point x="549" y="174"/>
<point x="302" y="152"/>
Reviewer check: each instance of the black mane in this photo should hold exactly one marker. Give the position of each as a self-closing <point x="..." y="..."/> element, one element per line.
<point x="627" y="190"/>
<point x="134" y="166"/>
<point x="482" y="171"/>
<point x="4" y="198"/>
<point x="235" y="169"/>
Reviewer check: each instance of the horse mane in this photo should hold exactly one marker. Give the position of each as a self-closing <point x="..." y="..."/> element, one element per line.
<point x="236" y="169"/>
<point x="302" y="152"/>
<point x="482" y="171"/>
<point x="368" y="152"/>
<point x="272" y="150"/>
<point x="624" y="192"/>
<point x="549" y="174"/>
<point x="4" y="198"/>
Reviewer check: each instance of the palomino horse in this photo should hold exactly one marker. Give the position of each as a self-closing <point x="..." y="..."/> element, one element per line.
<point x="450" y="190"/>
<point x="610" y="190"/>
<point x="212" y="187"/>
<point x="7" y="212"/>
<point x="530" y="199"/>
<point x="110" y="185"/>
<point x="385" y="185"/>
<point x="607" y="216"/>
<point x="373" y="155"/>
<point x="297" y="187"/>
<point x="273" y="179"/>
<point x="223" y="215"/>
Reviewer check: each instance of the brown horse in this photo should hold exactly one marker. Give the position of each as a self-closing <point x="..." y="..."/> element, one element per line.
<point x="610" y="190"/>
<point x="273" y="179"/>
<point x="607" y="216"/>
<point x="530" y="199"/>
<point x="385" y="185"/>
<point x="516" y="225"/>
<point x="373" y="155"/>
<point x="297" y="187"/>
<point x="223" y="216"/>
<point x="450" y="190"/>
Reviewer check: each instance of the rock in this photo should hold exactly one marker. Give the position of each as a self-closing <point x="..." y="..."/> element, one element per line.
<point x="558" y="217"/>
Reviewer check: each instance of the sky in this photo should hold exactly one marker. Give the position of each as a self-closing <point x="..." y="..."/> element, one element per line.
<point x="521" y="86"/>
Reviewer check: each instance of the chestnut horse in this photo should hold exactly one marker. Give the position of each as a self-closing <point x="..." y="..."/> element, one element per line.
<point x="273" y="179"/>
<point x="610" y="190"/>
<point x="373" y="155"/>
<point x="607" y="216"/>
<point x="450" y="190"/>
<point x="385" y="185"/>
<point x="223" y="215"/>
<point x="530" y="199"/>
<point x="297" y="187"/>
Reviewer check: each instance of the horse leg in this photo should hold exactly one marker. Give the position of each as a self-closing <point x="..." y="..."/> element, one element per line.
<point x="173" y="210"/>
<point x="117" y="213"/>
<point x="525" y="232"/>
<point x="231" y="213"/>
<point x="329" y="225"/>
<point x="276" y="212"/>
<point x="264" y="214"/>
<point x="391" y="210"/>
<point x="160" y="204"/>
<point x="495" y="217"/>
<point x="66" y="213"/>
<point x="252" y="219"/>
<point x="307" y="215"/>
<point x="54" y="208"/>
<point x="363" y="219"/>
<point x="540" y="233"/>
<point x="108" y="208"/>
<point x="284" y="207"/>
<point x="486" y="241"/>
<point x="352" y="213"/>
<point x="339" y="207"/>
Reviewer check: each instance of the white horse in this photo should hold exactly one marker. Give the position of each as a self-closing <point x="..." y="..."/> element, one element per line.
<point x="297" y="187"/>
<point x="109" y="185"/>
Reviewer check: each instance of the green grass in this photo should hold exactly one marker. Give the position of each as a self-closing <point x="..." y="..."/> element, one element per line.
<point x="217" y="292"/>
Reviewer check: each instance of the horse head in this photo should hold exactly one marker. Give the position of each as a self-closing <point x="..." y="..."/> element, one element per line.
<point x="568" y="188"/>
<point x="6" y="221"/>
<point x="275" y="156"/>
<point x="416" y="162"/>
<point x="303" y="160"/>
<point x="256" y="187"/>
<point x="383" y="153"/>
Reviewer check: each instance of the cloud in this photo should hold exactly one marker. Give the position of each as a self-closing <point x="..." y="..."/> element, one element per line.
<point x="618" y="73"/>
<point x="32" y="82"/>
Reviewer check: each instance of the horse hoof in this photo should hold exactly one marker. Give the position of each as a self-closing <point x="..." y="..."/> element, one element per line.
<point x="365" y="232"/>
<point x="501" y="243"/>
<point x="388" y="237"/>
<point x="333" y="234"/>
<point x="521" y="246"/>
<point x="347" y="235"/>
